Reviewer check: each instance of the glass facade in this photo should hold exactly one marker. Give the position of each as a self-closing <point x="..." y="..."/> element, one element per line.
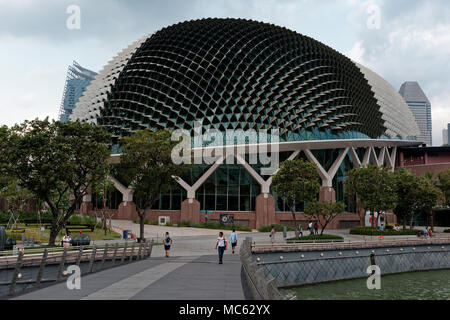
<point x="78" y="79"/>
<point x="232" y="188"/>
<point x="229" y="188"/>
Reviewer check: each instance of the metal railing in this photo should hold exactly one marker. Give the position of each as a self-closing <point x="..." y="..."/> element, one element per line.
<point x="31" y="268"/>
<point x="350" y="244"/>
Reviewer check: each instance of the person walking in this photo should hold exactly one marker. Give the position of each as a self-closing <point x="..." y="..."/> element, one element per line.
<point x="300" y="230"/>
<point x="426" y="233"/>
<point x="233" y="240"/>
<point x="167" y="244"/>
<point x="221" y="246"/>
<point x="316" y="228"/>
<point x="311" y="228"/>
<point x="272" y="235"/>
<point x="67" y="240"/>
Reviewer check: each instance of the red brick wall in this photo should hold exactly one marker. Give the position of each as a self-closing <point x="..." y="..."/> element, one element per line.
<point x="434" y="168"/>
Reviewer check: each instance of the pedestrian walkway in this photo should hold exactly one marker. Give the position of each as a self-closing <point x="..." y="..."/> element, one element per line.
<point x="175" y="278"/>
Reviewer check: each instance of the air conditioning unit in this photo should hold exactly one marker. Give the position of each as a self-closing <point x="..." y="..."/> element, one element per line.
<point x="162" y="221"/>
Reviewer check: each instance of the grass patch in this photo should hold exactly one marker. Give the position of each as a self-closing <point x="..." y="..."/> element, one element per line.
<point x="44" y="236"/>
<point x="325" y="237"/>
<point x="278" y="228"/>
<point x="368" y="231"/>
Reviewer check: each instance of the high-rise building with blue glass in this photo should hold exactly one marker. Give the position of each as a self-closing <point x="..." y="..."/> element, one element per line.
<point x="78" y="79"/>
<point x="421" y="109"/>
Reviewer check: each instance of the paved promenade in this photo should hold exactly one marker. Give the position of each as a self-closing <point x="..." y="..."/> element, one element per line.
<point x="192" y="273"/>
<point x="160" y="278"/>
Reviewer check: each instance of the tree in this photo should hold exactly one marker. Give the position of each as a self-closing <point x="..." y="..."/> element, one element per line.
<point x="147" y="157"/>
<point x="426" y="196"/>
<point x="54" y="160"/>
<point x="375" y="188"/>
<point x="17" y="197"/>
<point x="405" y="185"/>
<point x="324" y="212"/>
<point x="444" y="185"/>
<point x="102" y="188"/>
<point x="296" y="182"/>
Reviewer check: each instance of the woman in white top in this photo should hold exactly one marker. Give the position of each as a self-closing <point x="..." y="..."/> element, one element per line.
<point x="221" y="246"/>
<point x="67" y="240"/>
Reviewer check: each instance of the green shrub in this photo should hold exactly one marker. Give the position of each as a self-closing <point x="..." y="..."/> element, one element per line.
<point x="447" y="231"/>
<point x="329" y="237"/>
<point x="154" y="223"/>
<point x="213" y="225"/>
<point x="278" y="228"/>
<point x="368" y="231"/>
<point x="186" y="224"/>
<point x="82" y="219"/>
<point x="4" y="216"/>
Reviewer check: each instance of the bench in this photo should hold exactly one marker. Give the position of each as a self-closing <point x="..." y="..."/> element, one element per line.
<point x="80" y="227"/>
<point x="46" y="223"/>
<point x="18" y="230"/>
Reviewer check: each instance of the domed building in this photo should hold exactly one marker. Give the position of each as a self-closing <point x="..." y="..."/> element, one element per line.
<point x="241" y="77"/>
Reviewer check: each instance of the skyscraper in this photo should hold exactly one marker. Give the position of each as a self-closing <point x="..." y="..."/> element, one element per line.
<point x="445" y="135"/>
<point x="421" y="109"/>
<point x="78" y="78"/>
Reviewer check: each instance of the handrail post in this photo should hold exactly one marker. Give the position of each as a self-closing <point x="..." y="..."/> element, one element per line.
<point x="61" y="264"/>
<point x="19" y="261"/>
<point x="80" y="254"/>
<point x="138" y="257"/>
<point x="91" y="262"/>
<point x="115" y="253"/>
<point x="105" y="253"/>
<point x="41" y="269"/>
<point x="124" y="252"/>
<point x="150" y="248"/>
<point x="132" y="251"/>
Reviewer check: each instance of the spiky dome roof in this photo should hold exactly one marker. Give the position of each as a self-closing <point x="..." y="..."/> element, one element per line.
<point x="235" y="74"/>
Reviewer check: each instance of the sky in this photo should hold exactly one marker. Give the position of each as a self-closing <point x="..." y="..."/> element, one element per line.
<point x="401" y="40"/>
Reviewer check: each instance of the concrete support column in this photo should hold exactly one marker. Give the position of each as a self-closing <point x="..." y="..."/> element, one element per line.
<point x="190" y="211"/>
<point x="402" y="160"/>
<point x="425" y="158"/>
<point x="327" y="194"/>
<point x="86" y="206"/>
<point x="127" y="211"/>
<point x="190" y="208"/>
<point x="265" y="210"/>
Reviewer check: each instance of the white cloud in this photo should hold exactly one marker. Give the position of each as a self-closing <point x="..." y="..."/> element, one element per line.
<point x="413" y="44"/>
<point x="357" y="53"/>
